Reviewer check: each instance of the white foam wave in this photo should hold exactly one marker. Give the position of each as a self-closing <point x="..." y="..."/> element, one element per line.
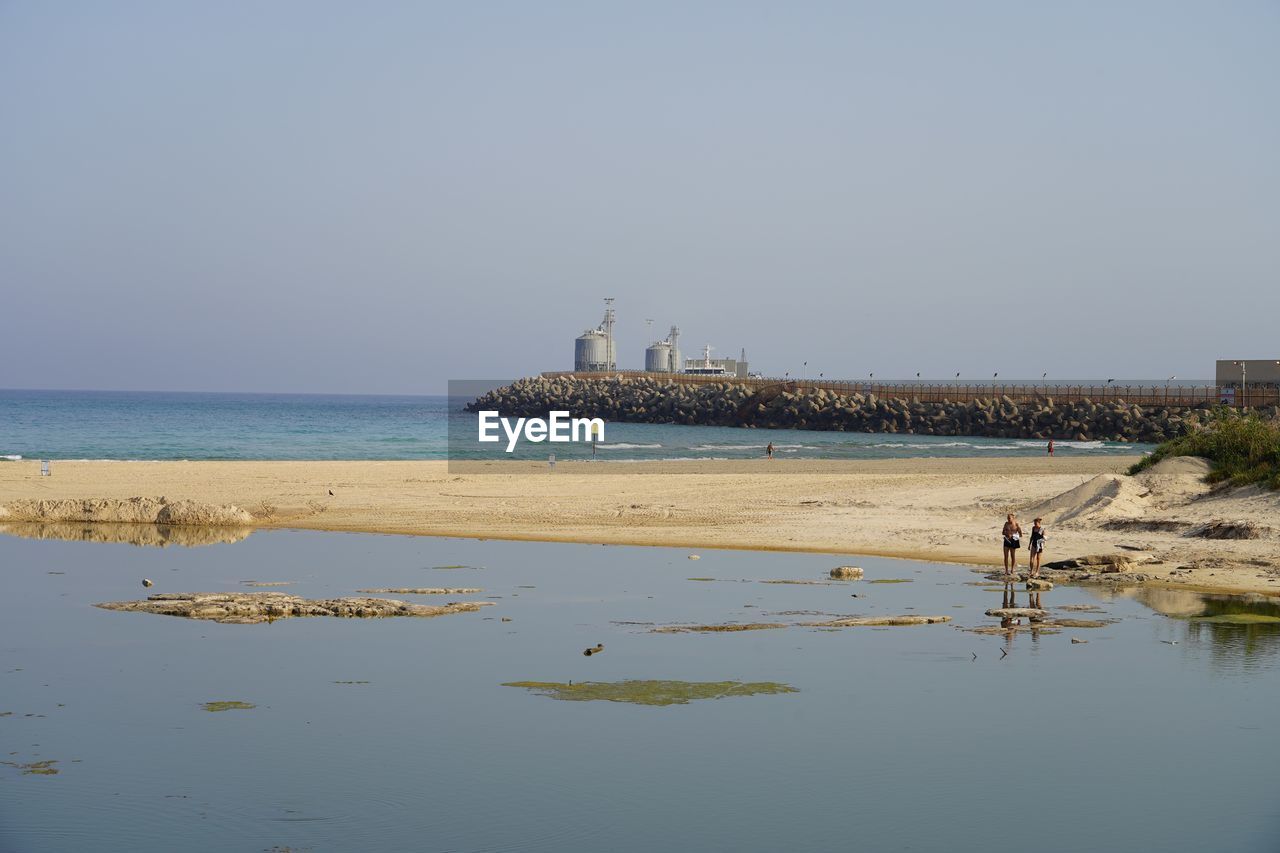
<point x="669" y="459"/>
<point x="12" y="458"/>
<point x="624" y="446"/>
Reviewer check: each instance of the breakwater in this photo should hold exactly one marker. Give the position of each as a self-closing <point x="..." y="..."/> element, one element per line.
<point x="791" y="406"/>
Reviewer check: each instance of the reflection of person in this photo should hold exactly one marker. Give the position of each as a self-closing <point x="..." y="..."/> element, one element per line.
<point x="769" y="450"/>
<point x="1012" y="533"/>
<point x="1037" y="547"/>
<point x="1009" y="623"/>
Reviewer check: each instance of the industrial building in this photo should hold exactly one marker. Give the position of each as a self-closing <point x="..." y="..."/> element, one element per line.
<point x="1255" y="372"/>
<point x="594" y="350"/>
<point x="664" y="356"/>
<point x="708" y="366"/>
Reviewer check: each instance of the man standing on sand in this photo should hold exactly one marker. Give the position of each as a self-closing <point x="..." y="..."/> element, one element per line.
<point x="1012" y="533"/>
<point x="768" y="451"/>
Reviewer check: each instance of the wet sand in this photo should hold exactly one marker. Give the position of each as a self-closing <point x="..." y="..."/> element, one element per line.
<point x="947" y="510"/>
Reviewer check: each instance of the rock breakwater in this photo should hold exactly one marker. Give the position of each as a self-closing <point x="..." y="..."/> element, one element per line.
<point x="790" y="406"/>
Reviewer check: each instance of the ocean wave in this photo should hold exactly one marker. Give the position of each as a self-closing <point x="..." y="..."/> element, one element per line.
<point x="755" y="447"/>
<point x="624" y="446"/>
<point x="921" y="445"/>
<point x="670" y="459"/>
<point x="12" y="458"/>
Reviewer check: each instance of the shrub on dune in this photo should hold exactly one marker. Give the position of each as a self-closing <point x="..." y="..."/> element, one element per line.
<point x="1243" y="449"/>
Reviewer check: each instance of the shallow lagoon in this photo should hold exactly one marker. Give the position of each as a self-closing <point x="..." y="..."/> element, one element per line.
<point x="398" y="734"/>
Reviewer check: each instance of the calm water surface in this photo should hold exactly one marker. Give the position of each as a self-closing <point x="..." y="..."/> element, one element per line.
<point x="1158" y="734"/>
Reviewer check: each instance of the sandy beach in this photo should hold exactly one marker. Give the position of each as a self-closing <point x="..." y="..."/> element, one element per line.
<point x="947" y="510"/>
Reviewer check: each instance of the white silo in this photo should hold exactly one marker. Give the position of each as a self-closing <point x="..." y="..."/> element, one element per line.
<point x="657" y="357"/>
<point x="594" y="349"/>
<point x="591" y="352"/>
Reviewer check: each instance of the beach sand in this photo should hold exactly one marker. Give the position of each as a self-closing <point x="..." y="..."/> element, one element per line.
<point x="947" y="510"/>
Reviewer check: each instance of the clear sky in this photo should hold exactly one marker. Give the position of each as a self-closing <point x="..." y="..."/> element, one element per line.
<point x="378" y="197"/>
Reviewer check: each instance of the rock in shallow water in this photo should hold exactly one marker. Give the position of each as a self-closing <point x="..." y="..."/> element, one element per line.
<point x="425" y="590"/>
<point x="859" y="621"/>
<point x="650" y="692"/>
<point x="246" y="608"/>
<point x="1032" y="613"/>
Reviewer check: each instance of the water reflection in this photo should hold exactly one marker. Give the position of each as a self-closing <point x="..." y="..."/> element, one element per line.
<point x="1238" y="629"/>
<point x="148" y="535"/>
<point x="1011" y="625"/>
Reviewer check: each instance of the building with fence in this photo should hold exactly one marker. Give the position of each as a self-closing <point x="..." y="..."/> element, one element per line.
<point x="1253" y="372"/>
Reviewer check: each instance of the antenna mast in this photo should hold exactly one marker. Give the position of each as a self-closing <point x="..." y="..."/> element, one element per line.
<point x="611" y="360"/>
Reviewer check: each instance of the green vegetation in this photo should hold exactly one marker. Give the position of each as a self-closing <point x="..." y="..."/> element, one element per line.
<point x="1243" y="449"/>
<point x="1239" y="619"/>
<point x="228" y="706"/>
<point x="891" y="580"/>
<point x="35" y="768"/>
<point x="650" y="692"/>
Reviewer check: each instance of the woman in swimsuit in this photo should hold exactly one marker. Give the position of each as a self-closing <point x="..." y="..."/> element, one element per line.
<point x="1037" y="547"/>
<point x="1012" y="533"/>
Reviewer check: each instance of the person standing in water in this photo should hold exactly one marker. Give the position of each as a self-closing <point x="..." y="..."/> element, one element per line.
<point x="1012" y="533"/>
<point x="1037" y="547"/>
<point x="768" y="451"/>
<point x="1051" y="448"/>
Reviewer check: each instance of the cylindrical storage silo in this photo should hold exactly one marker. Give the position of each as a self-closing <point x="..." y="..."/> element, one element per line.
<point x="591" y="351"/>
<point x="657" y="358"/>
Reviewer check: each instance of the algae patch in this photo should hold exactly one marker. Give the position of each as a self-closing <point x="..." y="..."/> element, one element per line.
<point x="727" y="628"/>
<point x="1081" y="623"/>
<point x="891" y="580"/>
<point x="424" y="590"/>
<point x="650" y="692"/>
<point x="214" y="707"/>
<point x="1239" y="619"/>
<point x="35" y="768"/>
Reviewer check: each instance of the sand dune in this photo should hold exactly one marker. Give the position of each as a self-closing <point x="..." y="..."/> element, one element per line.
<point x="134" y="510"/>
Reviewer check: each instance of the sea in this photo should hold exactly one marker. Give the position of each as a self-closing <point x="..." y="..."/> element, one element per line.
<point x="120" y="425"/>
